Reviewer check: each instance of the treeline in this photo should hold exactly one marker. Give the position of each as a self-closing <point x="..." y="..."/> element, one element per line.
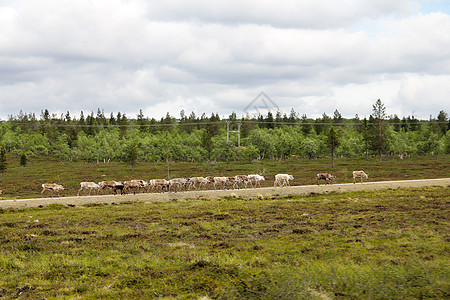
<point x="101" y="138"/>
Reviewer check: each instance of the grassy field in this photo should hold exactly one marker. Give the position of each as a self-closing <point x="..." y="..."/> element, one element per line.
<point x="25" y="182"/>
<point x="391" y="244"/>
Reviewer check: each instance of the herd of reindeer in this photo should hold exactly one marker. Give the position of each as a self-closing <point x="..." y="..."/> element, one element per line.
<point x="186" y="184"/>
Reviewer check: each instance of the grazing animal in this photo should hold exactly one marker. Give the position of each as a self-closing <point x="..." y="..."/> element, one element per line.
<point x="325" y="176"/>
<point x="359" y="174"/>
<point x="134" y="185"/>
<point x="143" y="184"/>
<point x="52" y="187"/>
<point x="202" y="181"/>
<point x="113" y="185"/>
<point x="210" y="179"/>
<point x="177" y="183"/>
<point x="256" y="178"/>
<point x="232" y="182"/>
<point x="162" y="184"/>
<point x="88" y="185"/>
<point x="220" y="180"/>
<point x="282" y="180"/>
<point x="242" y="181"/>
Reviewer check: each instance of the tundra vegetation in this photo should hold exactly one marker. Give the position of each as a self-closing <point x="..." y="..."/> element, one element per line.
<point x="390" y="244"/>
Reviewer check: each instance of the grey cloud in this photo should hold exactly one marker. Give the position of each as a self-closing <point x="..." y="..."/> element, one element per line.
<point x="157" y="55"/>
<point x="318" y="14"/>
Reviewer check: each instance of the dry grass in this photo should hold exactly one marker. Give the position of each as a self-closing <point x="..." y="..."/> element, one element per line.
<point x="390" y="244"/>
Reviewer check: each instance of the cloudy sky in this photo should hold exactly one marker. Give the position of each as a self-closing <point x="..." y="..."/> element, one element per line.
<point x="217" y="56"/>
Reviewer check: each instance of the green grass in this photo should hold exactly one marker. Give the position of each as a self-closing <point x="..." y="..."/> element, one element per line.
<point x="391" y="244"/>
<point x="25" y="182"/>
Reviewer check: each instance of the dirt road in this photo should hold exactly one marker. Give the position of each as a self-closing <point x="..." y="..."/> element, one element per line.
<point x="216" y="194"/>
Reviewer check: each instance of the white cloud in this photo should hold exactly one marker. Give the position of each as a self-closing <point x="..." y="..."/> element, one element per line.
<point x="424" y="95"/>
<point x="313" y="56"/>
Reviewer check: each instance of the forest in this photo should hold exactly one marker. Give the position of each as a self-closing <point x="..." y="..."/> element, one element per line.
<point x="98" y="138"/>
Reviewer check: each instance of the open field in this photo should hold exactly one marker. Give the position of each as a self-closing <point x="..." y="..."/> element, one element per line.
<point x="25" y="182"/>
<point x="384" y="244"/>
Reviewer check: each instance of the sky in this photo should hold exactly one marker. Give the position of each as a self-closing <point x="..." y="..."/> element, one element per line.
<point x="211" y="56"/>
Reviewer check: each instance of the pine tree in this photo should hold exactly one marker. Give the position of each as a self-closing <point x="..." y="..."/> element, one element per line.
<point x="72" y="137"/>
<point x="45" y="115"/>
<point x="442" y="119"/>
<point x="379" y="114"/>
<point x="395" y="122"/>
<point x="82" y="122"/>
<point x="23" y="159"/>
<point x="141" y="121"/>
<point x="306" y="127"/>
<point x="365" y="132"/>
<point x="123" y="122"/>
<point x="337" y="118"/>
<point x="112" y="120"/>
<point x="213" y="128"/>
<point x="192" y="121"/>
<point x="324" y="128"/>
<point x="132" y="153"/>
<point x="405" y="125"/>
<point x="91" y="123"/>
<point x="269" y="120"/>
<point x="67" y="118"/>
<point x="293" y="116"/>
<point x="333" y="142"/>
<point x="100" y="118"/>
<point x="357" y="124"/>
<point x="207" y="142"/>
<point x="278" y="118"/>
